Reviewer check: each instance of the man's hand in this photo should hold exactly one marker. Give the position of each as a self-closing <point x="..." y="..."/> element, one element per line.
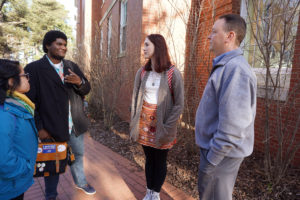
<point x="73" y="78"/>
<point x="43" y="134"/>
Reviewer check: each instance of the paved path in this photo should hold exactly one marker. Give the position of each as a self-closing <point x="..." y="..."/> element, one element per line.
<point x="113" y="176"/>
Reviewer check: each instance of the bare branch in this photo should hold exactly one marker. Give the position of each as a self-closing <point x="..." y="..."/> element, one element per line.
<point x="2" y="2"/>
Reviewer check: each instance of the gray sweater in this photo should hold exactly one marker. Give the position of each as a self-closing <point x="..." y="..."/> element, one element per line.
<point x="226" y="113"/>
<point x="168" y="112"/>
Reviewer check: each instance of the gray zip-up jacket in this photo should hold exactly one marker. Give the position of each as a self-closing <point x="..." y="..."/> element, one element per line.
<point x="226" y="113"/>
<point x="168" y="112"/>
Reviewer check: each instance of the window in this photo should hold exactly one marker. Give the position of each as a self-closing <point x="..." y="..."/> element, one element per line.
<point x="123" y="25"/>
<point x="270" y="38"/>
<point x="109" y="32"/>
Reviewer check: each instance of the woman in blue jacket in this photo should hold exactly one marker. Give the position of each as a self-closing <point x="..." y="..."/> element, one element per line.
<point x="18" y="135"/>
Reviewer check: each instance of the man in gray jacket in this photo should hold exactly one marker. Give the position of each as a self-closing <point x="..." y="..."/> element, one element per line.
<point x="226" y="113"/>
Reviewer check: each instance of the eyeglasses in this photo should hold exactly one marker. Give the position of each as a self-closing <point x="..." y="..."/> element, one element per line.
<point x="25" y="75"/>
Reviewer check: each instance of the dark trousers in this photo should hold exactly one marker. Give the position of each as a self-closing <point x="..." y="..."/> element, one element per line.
<point x="51" y="182"/>
<point x="19" y="197"/>
<point x="156" y="167"/>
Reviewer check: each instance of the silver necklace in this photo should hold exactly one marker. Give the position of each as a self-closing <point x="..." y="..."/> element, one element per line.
<point x="153" y="79"/>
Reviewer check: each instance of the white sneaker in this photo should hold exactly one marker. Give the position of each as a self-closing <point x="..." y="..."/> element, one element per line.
<point x="148" y="195"/>
<point x="155" y="195"/>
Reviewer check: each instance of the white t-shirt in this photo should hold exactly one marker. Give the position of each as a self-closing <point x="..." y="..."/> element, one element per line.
<point x="152" y="86"/>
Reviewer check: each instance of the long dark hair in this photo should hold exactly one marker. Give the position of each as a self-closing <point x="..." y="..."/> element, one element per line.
<point x="161" y="54"/>
<point x="8" y="69"/>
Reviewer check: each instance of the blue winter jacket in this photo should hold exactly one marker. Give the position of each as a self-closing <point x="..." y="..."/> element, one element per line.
<point x="18" y="149"/>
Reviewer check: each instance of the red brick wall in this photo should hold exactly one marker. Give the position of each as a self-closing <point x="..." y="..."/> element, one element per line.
<point x="289" y="112"/>
<point x="80" y="20"/>
<point x="128" y="62"/>
<point x="143" y="17"/>
<point x="131" y="61"/>
<point x="198" y="66"/>
<point x="97" y="13"/>
<point x="198" y="58"/>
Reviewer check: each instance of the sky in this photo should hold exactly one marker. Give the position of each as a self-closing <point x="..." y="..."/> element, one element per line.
<point x="70" y="6"/>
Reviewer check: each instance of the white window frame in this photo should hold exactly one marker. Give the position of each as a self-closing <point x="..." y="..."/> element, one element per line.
<point x="285" y="73"/>
<point x="123" y="26"/>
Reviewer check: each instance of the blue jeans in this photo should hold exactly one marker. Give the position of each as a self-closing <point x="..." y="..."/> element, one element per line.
<point x="51" y="182"/>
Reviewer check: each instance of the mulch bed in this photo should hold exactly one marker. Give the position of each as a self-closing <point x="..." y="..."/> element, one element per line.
<point x="183" y="161"/>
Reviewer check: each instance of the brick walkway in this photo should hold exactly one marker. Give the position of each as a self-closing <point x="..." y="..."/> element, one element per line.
<point x="113" y="176"/>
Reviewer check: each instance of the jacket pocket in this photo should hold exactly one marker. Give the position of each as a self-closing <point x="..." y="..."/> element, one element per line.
<point x="166" y="136"/>
<point x="205" y="166"/>
<point x="166" y="139"/>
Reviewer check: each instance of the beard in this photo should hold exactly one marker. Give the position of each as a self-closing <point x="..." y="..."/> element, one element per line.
<point x="56" y="57"/>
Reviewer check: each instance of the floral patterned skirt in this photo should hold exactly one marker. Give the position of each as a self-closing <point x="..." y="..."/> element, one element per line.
<point x="147" y="127"/>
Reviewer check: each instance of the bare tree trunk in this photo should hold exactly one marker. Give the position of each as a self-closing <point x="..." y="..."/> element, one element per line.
<point x="272" y="24"/>
<point x="2" y="2"/>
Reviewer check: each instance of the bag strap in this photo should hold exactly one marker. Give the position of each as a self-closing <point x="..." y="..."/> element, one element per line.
<point x="68" y="63"/>
<point x="169" y="75"/>
<point x="143" y="73"/>
<point x="56" y="163"/>
<point x="48" y="140"/>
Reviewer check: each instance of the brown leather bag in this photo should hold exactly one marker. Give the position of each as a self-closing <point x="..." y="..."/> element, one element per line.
<point x="52" y="158"/>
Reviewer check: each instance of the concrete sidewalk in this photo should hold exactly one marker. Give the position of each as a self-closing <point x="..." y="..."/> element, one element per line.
<point x="113" y="176"/>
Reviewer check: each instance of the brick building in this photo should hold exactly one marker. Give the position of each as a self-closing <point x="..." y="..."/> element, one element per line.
<point x="117" y="29"/>
<point x="282" y="113"/>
